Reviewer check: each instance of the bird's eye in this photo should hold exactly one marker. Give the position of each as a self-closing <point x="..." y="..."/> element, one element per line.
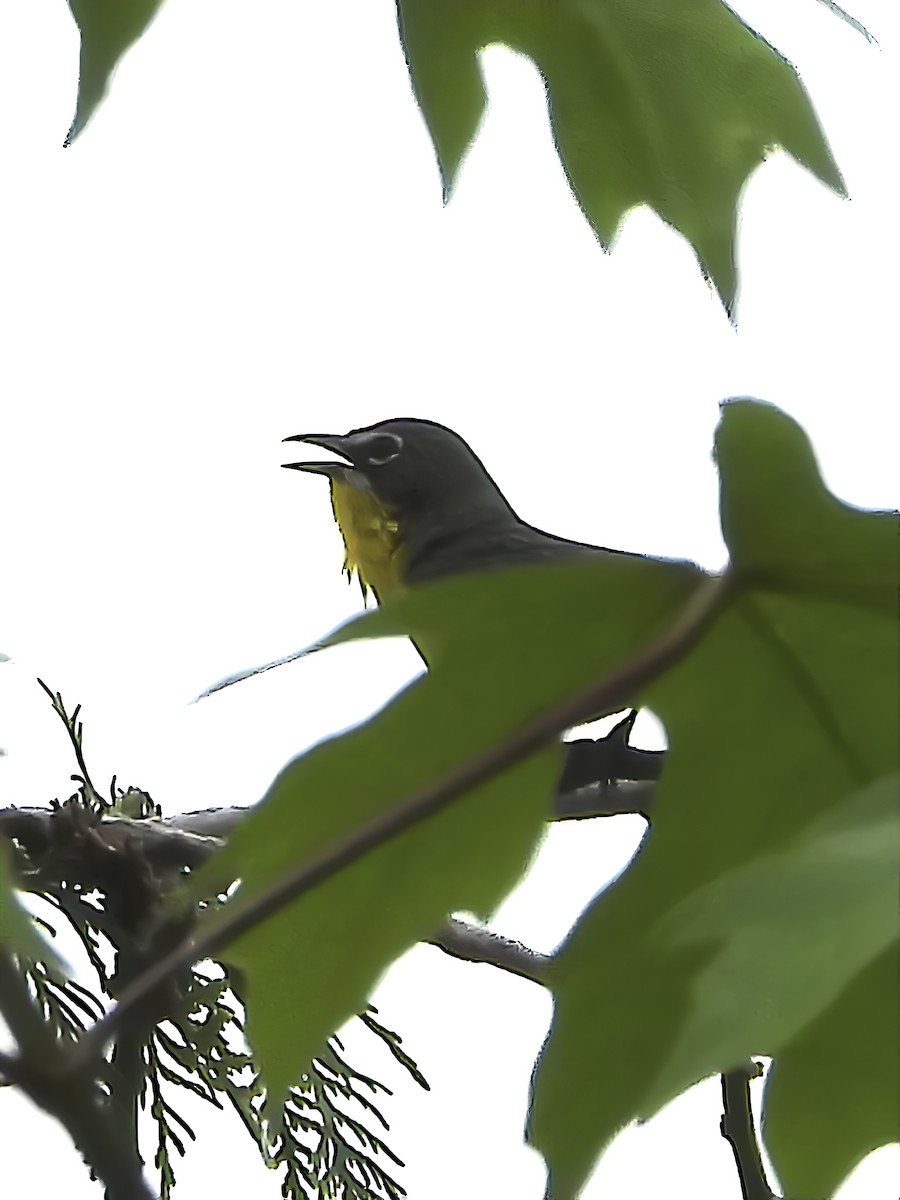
<point x="383" y="448"/>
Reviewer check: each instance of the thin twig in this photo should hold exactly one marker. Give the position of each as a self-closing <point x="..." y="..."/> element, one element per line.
<point x="75" y="730"/>
<point x="614" y="691"/>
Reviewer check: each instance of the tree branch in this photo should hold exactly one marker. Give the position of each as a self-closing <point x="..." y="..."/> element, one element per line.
<point x="601" y="777"/>
<point x="475" y="944"/>
<point x="589" y="761"/>
<point x="187" y="840"/>
<point x="606" y="800"/>
<point x="184" y="840"/>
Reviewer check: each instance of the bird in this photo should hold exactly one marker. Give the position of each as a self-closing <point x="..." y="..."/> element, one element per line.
<point x="415" y="504"/>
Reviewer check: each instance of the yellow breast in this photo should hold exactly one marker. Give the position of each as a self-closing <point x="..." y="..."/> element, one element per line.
<point x="371" y="536"/>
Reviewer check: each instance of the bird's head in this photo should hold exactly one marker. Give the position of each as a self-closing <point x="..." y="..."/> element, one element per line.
<point x="410" y="467"/>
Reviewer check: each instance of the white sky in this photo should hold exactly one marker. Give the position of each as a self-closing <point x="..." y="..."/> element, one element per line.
<point x="248" y="242"/>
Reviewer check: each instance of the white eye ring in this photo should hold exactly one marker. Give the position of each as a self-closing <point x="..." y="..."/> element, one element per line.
<point x="385" y="448"/>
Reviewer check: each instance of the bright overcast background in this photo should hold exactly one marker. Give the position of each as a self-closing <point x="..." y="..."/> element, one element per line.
<point x="248" y="242"/>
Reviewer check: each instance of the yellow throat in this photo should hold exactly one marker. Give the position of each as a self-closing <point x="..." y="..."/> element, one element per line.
<point x="372" y="548"/>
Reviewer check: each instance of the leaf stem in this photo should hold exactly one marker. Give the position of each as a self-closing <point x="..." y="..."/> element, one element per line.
<point x="737" y="1128"/>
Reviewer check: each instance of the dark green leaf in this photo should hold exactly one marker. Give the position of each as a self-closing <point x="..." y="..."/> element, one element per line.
<point x="790" y="931"/>
<point x="831" y="1095"/>
<point x="782" y="526"/>
<point x="107" y="28"/>
<point x="785" y="711"/>
<point x="670" y="104"/>
<point x="520" y="640"/>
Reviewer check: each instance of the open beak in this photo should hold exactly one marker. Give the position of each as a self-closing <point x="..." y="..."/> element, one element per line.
<point x="327" y="441"/>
